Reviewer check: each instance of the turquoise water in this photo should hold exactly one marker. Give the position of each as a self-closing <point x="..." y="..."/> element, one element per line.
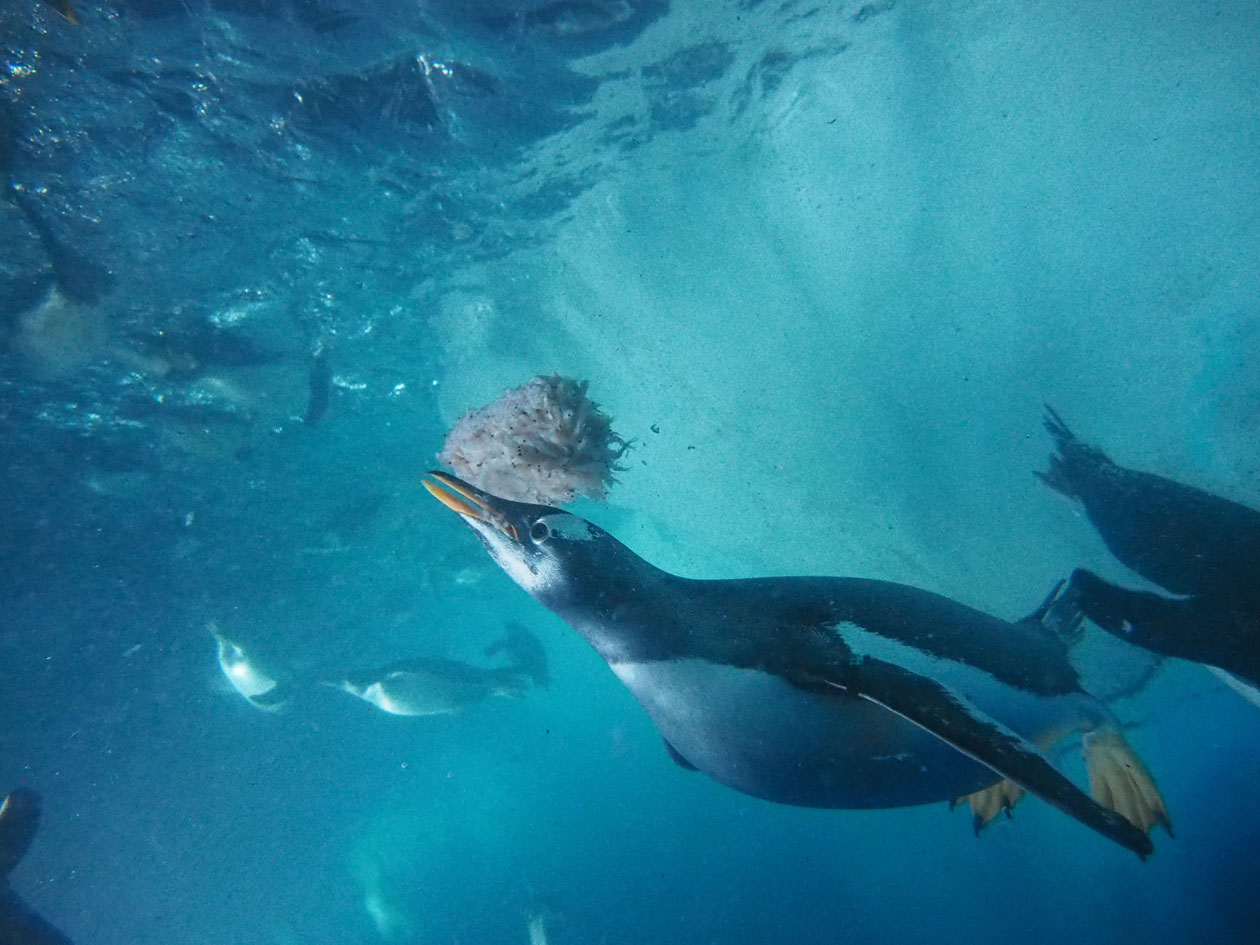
<point x="823" y="262"/>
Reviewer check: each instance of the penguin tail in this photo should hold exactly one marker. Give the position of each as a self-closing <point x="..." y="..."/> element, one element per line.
<point x="1120" y="781"/>
<point x="1074" y="463"/>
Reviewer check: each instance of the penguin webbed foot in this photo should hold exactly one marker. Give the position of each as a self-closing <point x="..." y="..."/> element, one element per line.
<point x="1120" y="781"/>
<point x="987" y="804"/>
<point x="1063" y="614"/>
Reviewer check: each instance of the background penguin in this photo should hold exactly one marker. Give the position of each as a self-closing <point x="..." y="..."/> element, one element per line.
<point x="525" y="652"/>
<point x="823" y="692"/>
<point x="1187" y="541"/>
<point x="19" y="820"/>
<point x="431" y="686"/>
<point x="256" y="685"/>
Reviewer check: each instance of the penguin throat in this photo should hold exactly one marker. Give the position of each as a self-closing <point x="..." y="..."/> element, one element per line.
<point x="535" y="574"/>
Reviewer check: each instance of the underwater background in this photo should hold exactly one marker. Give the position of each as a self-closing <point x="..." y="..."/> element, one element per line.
<point x="823" y="262"/>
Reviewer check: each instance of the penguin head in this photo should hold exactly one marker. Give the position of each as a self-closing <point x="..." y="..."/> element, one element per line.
<point x="553" y="554"/>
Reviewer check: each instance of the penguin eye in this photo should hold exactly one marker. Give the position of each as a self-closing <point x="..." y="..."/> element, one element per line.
<point x="539" y="531"/>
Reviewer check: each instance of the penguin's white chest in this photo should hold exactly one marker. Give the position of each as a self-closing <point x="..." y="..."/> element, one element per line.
<point x="406" y="693"/>
<point x="245" y="677"/>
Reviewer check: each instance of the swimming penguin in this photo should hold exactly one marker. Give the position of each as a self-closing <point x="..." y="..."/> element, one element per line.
<point x="824" y="692"/>
<point x="19" y="819"/>
<point x="247" y="678"/>
<point x="1199" y="546"/>
<point x="431" y="686"/>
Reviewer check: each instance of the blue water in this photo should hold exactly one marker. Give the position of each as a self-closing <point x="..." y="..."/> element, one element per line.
<point x="824" y="262"/>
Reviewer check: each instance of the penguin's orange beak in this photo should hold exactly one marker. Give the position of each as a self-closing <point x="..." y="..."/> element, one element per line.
<point x="469" y="501"/>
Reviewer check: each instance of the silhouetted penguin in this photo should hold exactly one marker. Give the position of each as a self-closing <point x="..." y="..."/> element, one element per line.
<point x="823" y="692"/>
<point x="1187" y="541"/>
<point x="19" y="819"/>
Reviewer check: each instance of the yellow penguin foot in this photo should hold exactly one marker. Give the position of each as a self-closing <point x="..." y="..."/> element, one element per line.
<point x="1119" y="780"/>
<point x="987" y="804"/>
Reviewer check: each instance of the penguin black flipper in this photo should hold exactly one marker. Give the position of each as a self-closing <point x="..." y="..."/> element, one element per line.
<point x="929" y="705"/>
<point x="1187" y="628"/>
<point x="19" y="819"/>
<point x="319" y="384"/>
<point x="20" y="926"/>
<point x="526" y="653"/>
<point x="274" y="697"/>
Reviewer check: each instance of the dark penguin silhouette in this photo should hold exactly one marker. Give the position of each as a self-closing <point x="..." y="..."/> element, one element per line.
<point x="1192" y="543"/>
<point x="525" y="653"/>
<point x="824" y="692"/>
<point x="319" y="387"/>
<point x="19" y="819"/>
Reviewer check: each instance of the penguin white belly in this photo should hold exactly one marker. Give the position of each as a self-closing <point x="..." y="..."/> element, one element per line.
<point x="759" y="734"/>
<point x="246" y="678"/>
<point x="419" y="694"/>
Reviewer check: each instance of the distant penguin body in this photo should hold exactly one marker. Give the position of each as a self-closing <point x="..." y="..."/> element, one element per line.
<point x="434" y="686"/>
<point x="820" y="692"/>
<point x="1185" y="540"/>
<point x="256" y="685"/>
<point x="423" y="687"/>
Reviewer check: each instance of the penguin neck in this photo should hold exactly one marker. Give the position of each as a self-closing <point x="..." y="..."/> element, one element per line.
<point x="628" y="612"/>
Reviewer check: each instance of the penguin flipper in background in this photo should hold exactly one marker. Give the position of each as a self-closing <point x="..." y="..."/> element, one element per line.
<point x="525" y="652"/>
<point x="319" y="384"/>
<point x="933" y="708"/>
<point x="1186" y="628"/>
<point x="19" y="820"/>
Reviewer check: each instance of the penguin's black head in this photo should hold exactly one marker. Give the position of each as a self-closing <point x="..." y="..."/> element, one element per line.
<point x="562" y="560"/>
